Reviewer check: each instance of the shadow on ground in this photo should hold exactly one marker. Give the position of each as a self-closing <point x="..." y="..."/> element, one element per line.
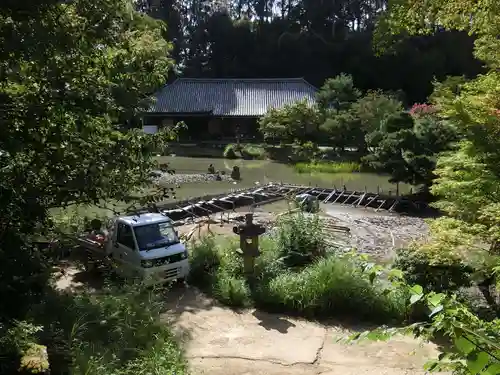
<point x="273" y="322"/>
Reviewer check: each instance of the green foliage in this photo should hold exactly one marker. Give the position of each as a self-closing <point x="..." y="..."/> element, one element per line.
<point x="343" y="129"/>
<point x="119" y="331"/>
<point x="474" y="345"/>
<point x="19" y="349"/>
<point x="245" y="151"/>
<point x="349" y="125"/>
<point x="232" y="290"/>
<point x="114" y="331"/>
<point x="328" y="167"/>
<point x="406" y="147"/>
<point x="300" y="239"/>
<point x="335" y="285"/>
<point x="373" y="109"/>
<point x="468" y="186"/>
<point x="294" y="273"/>
<point x="406" y="17"/>
<point x="305" y="150"/>
<point x="466" y="183"/>
<point x="294" y="121"/>
<point x="337" y="93"/>
<point x="230" y="151"/>
<point x="438" y="275"/>
<point x="203" y="260"/>
<point x="75" y="77"/>
<point x="250" y="151"/>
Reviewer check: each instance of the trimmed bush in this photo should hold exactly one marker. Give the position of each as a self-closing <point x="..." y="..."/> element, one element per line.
<point x="250" y="151"/>
<point x="230" y="151"/>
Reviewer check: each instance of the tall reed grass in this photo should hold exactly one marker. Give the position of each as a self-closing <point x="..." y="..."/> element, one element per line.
<point x="328" y="167"/>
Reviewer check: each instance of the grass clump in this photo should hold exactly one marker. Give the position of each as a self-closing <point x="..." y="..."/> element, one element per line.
<point x="334" y="287"/>
<point x="116" y="331"/>
<point x="295" y="273"/>
<point x="245" y="151"/>
<point x="328" y="167"/>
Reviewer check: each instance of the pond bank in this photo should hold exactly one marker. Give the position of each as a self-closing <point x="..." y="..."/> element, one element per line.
<point x="260" y="172"/>
<point x="251" y="151"/>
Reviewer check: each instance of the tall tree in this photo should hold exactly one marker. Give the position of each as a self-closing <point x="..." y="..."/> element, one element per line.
<point x="467" y="179"/>
<point x="73" y="75"/>
<point x="314" y="39"/>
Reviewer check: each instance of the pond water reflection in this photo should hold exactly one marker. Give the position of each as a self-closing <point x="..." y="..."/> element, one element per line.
<point x="255" y="172"/>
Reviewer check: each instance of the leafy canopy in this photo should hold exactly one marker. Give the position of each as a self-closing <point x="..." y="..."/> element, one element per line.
<point x="406" y="146"/>
<point x="466" y="178"/>
<point x="293" y="121"/>
<point x="74" y="77"/>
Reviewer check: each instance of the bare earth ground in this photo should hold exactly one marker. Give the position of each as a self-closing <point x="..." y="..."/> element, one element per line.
<point x="376" y="233"/>
<point x="221" y="341"/>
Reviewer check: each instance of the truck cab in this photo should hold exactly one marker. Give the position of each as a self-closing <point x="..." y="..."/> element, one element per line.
<point x="145" y="246"/>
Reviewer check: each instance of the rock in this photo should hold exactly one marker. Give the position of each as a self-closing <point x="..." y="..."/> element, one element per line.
<point x="177" y="179"/>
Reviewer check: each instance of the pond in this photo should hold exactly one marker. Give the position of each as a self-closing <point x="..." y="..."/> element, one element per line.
<point x="253" y="174"/>
<point x="259" y="172"/>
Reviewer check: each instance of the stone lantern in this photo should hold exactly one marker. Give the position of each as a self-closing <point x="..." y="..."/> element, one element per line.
<point x="249" y="233"/>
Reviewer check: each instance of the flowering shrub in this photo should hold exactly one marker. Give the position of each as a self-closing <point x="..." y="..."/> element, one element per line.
<point x="422" y="109"/>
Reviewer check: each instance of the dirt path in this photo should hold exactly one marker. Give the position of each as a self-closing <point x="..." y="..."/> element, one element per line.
<point x="221" y="341"/>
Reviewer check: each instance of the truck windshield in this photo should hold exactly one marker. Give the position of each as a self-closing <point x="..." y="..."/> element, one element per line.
<point x="154" y="236"/>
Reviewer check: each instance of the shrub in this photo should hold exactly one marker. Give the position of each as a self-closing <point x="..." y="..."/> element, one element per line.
<point x="300" y="239"/>
<point x="418" y="267"/>
<point x="305" y="150"/>
<point x="253" y="152"/>
<point x="230" y="151"/>
<point x="19" y="349"/>
<point x="115" y="331"/>
<point x="294" y="121"/>
<point x="203" y="260"/>
<point x="230" y="289"/>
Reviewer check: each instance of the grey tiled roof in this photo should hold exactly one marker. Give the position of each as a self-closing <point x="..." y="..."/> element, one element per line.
<point x="231" y="97"/>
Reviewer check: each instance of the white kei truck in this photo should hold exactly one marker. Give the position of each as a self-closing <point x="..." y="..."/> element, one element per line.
<point x="145" y="246"/>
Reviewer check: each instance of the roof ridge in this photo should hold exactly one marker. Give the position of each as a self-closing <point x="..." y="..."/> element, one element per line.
<point x="309" y="84"/>
<point x="241" y="79"/>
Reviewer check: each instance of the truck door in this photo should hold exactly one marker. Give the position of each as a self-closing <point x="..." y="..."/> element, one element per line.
<point x="125" y="253"/>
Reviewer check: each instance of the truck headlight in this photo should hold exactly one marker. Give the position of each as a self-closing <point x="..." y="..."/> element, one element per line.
<point x="146" y="263"/>
<point x="184" y="254"/>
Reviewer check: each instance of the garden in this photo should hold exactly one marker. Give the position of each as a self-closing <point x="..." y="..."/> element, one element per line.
<point x="76" y="76"/>
<point x="297" y="273"/>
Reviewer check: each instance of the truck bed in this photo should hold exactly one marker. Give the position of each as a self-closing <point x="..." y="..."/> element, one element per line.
<point x="91" y="244"/>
